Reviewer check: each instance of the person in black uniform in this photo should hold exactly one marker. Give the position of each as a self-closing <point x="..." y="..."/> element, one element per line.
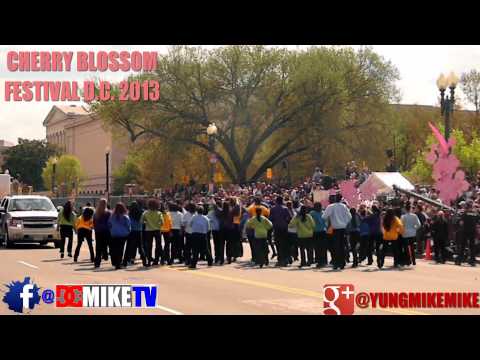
<point x="440" y="237"/>
<point x="468" y="224"/>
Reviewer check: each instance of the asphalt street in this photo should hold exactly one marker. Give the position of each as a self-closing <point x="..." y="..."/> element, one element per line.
<point x="237" y="288"/>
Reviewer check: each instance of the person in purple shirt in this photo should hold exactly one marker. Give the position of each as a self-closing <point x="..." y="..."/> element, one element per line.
<point x="120" y="227"/>
<point x="102" y="232"/>
<point x="375" y="226"/>
<point x="280" y="218"/>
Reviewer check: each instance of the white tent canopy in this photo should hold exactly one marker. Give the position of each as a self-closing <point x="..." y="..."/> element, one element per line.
<point x="383" y="182"/>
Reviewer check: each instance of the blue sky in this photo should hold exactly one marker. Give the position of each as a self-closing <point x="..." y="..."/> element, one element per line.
<point x="419" y="67"/>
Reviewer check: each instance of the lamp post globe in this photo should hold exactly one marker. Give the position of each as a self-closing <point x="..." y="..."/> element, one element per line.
<point x="442" y="82"/>
<point x="453" y="80"/>
<point x="212" y="129"/>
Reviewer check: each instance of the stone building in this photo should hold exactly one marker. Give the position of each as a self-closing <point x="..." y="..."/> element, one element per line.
<point x="80" y="133"/>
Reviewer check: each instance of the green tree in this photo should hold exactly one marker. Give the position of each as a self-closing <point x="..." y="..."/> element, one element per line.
<point x="27" y="159"/>
<point x="129" y="172"/>
<point x="268" y="103"/>
<point x="68" y="173"/>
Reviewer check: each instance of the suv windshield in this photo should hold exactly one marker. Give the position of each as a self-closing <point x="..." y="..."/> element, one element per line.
<point x="31" y="205"/>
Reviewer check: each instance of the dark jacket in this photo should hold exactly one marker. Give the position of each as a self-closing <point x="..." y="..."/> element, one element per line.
<point x="280" y="217"/>
<point x="100" y="223"/>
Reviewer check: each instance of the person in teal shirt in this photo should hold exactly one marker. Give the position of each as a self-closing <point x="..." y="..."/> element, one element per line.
<point x="261" y="226"/>
<point x="305" y="227"/>
<point x="319" y="235"/>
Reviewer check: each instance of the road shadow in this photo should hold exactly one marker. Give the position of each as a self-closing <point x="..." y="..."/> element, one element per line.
<point x="296" y="268"/>
<point x="53" y="260"/>
<point x="389" y="268"/>
<point x="78" y="262"/>
<point x="93" y="269"/>
<point x="141" y="268"/>
<point x="27" y="246"/>
<point x="244" y="265"/>
<point x="85" y="264"/>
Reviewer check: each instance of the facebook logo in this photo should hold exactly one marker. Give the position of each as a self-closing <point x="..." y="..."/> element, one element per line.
<point x="22" y="295"/>
<point x="26" y="295"/>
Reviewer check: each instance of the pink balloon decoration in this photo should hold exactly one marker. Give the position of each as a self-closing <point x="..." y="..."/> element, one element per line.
<point x="350" y="192"/>
<point x="449" y="181"/>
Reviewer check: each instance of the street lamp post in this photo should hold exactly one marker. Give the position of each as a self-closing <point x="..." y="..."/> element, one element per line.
<point x="212" y="130"/>
<point x="54" y="175"/>
<point x="447" y="104"/>
<point x="107" y="173"/>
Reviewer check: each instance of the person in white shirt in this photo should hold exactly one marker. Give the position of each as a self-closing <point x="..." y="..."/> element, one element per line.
<point x="411" y="224"/>
<point x="177" y="236"/>
<point x="338" y="216"/>
<point x="187" y="226"/>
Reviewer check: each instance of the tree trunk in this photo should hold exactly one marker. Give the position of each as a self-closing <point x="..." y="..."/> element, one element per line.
<point x="241" y="175"/>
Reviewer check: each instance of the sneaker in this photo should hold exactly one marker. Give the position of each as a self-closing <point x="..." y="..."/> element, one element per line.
<point x="75" y="260"/>
<point x="62" y="255"/>
<point x="69" y="254"/>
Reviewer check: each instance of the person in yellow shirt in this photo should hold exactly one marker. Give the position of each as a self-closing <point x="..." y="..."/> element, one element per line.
<point x="252" y="212"/>
<point x="166" y="230"/>
<point x="84" y="226"/>
<point x="392" y="228"/>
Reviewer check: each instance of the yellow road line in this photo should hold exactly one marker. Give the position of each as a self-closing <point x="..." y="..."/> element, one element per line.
<point x="287" y="289"/>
